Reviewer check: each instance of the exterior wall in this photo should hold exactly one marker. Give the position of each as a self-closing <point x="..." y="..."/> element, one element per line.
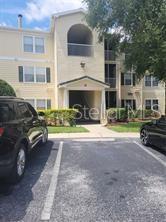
<point x="13" y="56"/>
<point x="69" y="66"/>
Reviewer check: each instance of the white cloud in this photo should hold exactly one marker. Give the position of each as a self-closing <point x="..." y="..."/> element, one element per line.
<point x="41" y="9"/>
<point x="3" y="24"/>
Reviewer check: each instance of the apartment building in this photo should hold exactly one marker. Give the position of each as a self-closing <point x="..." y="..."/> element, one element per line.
<point x="67" y="67"/>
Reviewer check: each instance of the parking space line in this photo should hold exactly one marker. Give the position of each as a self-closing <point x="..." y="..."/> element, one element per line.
<point x="46" y="213"/>
<point x="94" y="140"/>
<point x="151" y="154"/>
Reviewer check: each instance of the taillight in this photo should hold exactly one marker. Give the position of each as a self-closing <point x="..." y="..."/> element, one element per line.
<point x="1" y="131"/>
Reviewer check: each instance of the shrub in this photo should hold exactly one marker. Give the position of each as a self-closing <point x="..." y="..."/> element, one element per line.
<point x="6" y="89"/>
<point x="117" y="114"/>
<point x="56" y="117"/>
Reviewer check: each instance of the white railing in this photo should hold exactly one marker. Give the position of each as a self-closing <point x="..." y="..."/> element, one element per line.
<point x="110" y="55"/>
<point x="80" y="50"/>
<point x="111" y="82"/>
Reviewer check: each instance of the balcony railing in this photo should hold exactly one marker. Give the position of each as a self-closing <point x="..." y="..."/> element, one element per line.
<point x="80" y="50"/>
<point x="110" y="55"/>
<point x="111" y="82"/>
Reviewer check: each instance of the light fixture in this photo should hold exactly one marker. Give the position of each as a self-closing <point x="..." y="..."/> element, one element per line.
<point x="82" y="64"/>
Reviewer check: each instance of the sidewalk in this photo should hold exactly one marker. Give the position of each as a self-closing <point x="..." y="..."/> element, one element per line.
<point x="95" y="131"/>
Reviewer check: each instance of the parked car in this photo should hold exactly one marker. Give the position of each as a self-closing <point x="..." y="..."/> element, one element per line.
<point x="154" y="133"/>
<point x="21" y="129"/>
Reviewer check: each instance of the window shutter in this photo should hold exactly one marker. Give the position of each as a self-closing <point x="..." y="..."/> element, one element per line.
<point x="122" y="79"/>
<point x="134" y="80"/>
<point x="134" y="104"/>
<point x="122" y="103"/>
<point x="48" y="104"/>
<point x="48" y="75"/>
<point x="20" y="73"/>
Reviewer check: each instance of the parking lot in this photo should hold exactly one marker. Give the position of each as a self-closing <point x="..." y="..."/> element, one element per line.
<point x="98" y="180"/>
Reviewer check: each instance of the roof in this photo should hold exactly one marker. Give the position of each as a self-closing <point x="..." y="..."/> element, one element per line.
<point x="69" y="12"/>
<point x="10" y="98"/>
<point x="84" y="77"/>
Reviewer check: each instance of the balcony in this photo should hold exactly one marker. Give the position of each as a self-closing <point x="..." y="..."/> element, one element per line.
<point x="80" y="50"/>
<point x="111" y="82"/>
<point x="110" y="55"/>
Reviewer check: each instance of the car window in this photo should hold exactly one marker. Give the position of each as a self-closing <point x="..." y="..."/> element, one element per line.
<point x="24" y="111"/>
<point x="33" y="111"/>
<point x="162" y="120"/>
<point x="7" y="112"/>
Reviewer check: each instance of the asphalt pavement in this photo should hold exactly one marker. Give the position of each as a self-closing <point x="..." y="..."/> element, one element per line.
<point x="97" y="181"/>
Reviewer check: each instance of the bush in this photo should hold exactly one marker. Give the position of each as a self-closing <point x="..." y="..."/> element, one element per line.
<point x="60" y="117"/>
<point x="6" y="89"/>
<point x="117" y="114"/>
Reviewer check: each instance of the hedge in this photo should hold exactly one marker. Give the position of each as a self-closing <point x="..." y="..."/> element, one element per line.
<point x="6" y="89"/>
<point x="59" y="117"/>
<point x="123" y="114"/>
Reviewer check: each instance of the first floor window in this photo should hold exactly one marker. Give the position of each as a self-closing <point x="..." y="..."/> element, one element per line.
<point x="41" y="104"/>
<point x="29" y="74"/>
<point x="151" y="104"/>
<point x="129" y="103"/>
<point x="31" y="101"/>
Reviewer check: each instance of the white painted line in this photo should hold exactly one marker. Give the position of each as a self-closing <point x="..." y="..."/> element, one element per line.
<point x="151" y="154"/>
<point x="46" y="213"/>
<point x="94" y="140"/>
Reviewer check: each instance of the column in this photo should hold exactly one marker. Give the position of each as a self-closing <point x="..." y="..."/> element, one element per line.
<point x="103" y="105"/>
<point x="66" y="99"/>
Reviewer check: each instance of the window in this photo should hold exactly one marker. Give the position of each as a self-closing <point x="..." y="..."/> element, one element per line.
<point x="34" y="74"/>
<point x="151" y="81"/>
<point x="41" y="104"/>
<point x="7" y="112"/>
<point x="24" y="111"/>
<point x="29" y="74"/>
<point x="28" y="44"/>
<point x="40" y="74"/>
<point x="39" y="45"/>
<point x="128" y="79"/>
<point x="33" y="44"/>
<point x="32" y="110"/>
<point x="152" y="104"/>
<point x="129" y="103"/>
<point x="31" y="101"/>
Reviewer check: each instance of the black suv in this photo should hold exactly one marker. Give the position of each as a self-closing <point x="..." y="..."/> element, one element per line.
<point x="20" y="130"/>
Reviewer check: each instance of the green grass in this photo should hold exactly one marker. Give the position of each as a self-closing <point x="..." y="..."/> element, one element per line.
<point x="131" y="127"/>
<point x="66" y="129"/>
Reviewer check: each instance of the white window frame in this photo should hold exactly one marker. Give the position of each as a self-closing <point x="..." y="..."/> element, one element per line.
<point x="151" y="81"/>
<point x="131" y="79"/>
<point x="34" y="68"/>
<point x="151" y="102"/>
<point x="34" y="42"/>
<point x="35" y="102"/>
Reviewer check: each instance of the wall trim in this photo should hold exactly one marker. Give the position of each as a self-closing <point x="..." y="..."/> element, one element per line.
<point x="17" y="59"/>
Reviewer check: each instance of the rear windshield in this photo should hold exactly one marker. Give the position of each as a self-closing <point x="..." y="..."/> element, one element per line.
<point x="6" y="112"/>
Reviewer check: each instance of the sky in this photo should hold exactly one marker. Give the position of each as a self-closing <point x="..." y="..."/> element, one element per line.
<point x="36" y="13"/>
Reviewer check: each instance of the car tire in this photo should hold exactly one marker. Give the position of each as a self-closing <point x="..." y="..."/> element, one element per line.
<point x="144" y="136"/>
<point x="45" y="136"/>
<point x="19" y="165"/>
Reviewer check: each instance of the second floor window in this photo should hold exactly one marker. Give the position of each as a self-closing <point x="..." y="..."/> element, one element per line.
<point x="127" y="79"/>
<point x="33" y="44"/>
<point x="151" y="81"/>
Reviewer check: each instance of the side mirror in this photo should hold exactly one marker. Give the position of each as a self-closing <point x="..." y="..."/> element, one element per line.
<point x="41" y="114"/>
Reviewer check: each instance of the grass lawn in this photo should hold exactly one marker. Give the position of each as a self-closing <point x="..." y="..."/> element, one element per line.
<point x="66" y="129"/>
<point x="131" y="127"/>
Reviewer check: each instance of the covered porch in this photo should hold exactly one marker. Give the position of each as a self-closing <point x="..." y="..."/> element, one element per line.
<point x="85" y="94"/>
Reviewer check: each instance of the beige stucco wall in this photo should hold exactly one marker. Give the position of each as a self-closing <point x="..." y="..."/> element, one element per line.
<point x="69" y="66"/>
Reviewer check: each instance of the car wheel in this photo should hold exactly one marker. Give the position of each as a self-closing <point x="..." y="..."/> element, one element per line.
<point x="19" y="165"/>
<point x="144" y="137"/>
<point x="45" y="136"/>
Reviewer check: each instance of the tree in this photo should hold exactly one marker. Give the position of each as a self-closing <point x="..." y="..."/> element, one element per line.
<point x="6" y="89"/>
<point x="135" y="27"/>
